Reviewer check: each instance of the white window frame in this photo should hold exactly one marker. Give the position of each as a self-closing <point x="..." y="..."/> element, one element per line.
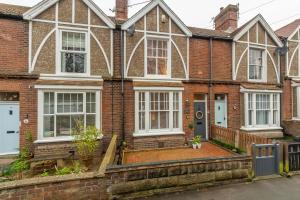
<point x="298" y="103"/>
<point x="169" y="52"/>
<point x="41" y="138"/>
<point x="59" y="52"/>
<point x="264" y="64"/>
<point x="156" y="132"/>
<point x="254" y="125"/>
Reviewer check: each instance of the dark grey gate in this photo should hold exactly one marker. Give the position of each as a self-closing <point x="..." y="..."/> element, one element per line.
<point x="294" y="156"/>
<point x="200" y="119"/>
<point x="266" y="159"/>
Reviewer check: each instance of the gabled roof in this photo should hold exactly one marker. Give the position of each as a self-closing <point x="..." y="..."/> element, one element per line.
<point x="148" y="8"/>
<point x="12" y="10"/>
<point x="288" y="30"/>
<point x="45" y="4"/>
<point x="237" y="34"/>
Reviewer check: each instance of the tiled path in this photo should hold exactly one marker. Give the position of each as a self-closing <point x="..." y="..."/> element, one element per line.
<point x="207" y="150"/>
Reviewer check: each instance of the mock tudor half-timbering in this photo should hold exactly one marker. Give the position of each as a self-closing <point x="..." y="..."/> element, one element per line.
<point x="290" y="35"/>
<point x="256" y="64"/>
<point x="71" y="48"/>
<point x="156" y="57"/>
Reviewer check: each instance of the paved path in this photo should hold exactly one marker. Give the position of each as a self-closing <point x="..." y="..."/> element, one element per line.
<point x="272" y="189"/>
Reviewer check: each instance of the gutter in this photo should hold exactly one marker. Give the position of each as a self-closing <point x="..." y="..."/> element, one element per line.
<point x="212" y="37"/>
<point x="14" y="17"/>
<point x="122" y="85"/>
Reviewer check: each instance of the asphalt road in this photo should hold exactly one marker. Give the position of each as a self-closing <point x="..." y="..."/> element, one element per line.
<point x="272" y="189"/>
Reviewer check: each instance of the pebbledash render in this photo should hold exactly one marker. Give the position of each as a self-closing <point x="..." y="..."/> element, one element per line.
<point x="150" y="79"/>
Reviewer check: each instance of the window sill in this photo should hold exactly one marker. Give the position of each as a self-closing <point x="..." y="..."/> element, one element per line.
<point x="54" y="140"/>
<point x="266" y="128"/>
<point x="57" y="140"/>
<point x="157" y="134"/>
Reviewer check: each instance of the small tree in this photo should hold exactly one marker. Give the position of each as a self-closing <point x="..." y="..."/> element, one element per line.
<point x="86" y="141"/>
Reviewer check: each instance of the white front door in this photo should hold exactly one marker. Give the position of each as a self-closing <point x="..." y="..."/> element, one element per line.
<point x="9" y="128"/>
<point x="221" y="110"/>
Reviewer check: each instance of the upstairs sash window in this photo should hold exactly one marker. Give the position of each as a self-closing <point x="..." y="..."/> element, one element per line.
<point x="256" y="64"/>
<point x="73" y="52"/>
<point x="157" y="57"/>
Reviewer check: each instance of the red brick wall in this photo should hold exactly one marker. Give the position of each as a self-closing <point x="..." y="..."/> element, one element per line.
<point x="14" y="46"/>
<point x="200" y="59"/>
<point x="287" y="101"/>
<point x="28" y="104"/>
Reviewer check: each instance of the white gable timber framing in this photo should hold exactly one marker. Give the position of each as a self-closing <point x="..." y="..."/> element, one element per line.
<point x="139" y="15"/>
<point x="258" y="18"/>
<point x="44" y="5"/>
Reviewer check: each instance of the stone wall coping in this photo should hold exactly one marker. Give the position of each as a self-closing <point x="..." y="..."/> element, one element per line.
<point x="49" y="180"/>
<point x="164" y="164"/>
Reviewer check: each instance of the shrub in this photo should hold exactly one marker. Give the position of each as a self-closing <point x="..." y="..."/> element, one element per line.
<point x="63" y="171"/>
<point x="86" y="140"/>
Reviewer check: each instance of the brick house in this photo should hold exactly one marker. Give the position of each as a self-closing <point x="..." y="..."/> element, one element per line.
<point x="150" y="79"/>
<point x="289" y="34"/>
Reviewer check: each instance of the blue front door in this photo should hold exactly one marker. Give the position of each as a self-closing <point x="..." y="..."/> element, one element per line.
<point x="9" y="128"/>
<point x="220" y="113"/>
<point x="200" y="119"/>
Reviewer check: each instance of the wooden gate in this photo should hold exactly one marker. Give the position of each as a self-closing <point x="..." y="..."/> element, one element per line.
<point x="294" y="156"/>
<point x="266" y="159"/>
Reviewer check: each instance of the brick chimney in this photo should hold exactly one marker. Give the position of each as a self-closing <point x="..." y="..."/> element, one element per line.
<point x="227" y="19"/>
<point x="122" y="9"/>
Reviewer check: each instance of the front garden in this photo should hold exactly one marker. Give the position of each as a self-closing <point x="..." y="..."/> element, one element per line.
<point x="87" y="142"/>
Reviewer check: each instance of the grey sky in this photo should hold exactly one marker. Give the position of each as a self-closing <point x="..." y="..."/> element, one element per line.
<point x="199" y="13"/>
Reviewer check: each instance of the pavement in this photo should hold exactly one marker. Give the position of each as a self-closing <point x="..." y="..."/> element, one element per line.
<point x="271" y="189"/>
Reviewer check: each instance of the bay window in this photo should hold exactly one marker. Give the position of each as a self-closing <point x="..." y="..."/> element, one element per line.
<point x="157" y="57"/>
<point x="61" y="111"/>
<point x="158" y="112"/>
<point x="262" y="110"/>
<point x="73" y="52"/>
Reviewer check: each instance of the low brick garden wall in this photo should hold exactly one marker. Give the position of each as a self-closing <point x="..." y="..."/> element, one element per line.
<point x="132" y="181"/>
<point x="70" y="187"/>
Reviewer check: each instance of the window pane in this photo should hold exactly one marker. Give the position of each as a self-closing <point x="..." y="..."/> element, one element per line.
<point x="154" y="120"/>
<point x="175" y="119"/>
<point x="79" y="63"/>
<point x="151" y="66"/>
<point x="164" y="120"/>
<point x="162" y="66"/>
<point x="74" y="105"/>
<point x="63" y="125"/>
<point x="60" y="104"/>
<point x="48" y="126"/>
<point x="90" y="120"/>
<point x="75" y="121"/>
<point x="67" y="103"/>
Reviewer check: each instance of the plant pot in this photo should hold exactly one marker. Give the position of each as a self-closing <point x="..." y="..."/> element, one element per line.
<point x="194" y="146"/>
<point x="199" y="146"/>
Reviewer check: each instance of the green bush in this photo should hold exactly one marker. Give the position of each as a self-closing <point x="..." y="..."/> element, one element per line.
<point x="63" y="171"/>
<point x="86" y="140"/>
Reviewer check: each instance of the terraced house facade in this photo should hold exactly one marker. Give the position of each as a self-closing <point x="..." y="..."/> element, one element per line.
<point x="149" y="78"/>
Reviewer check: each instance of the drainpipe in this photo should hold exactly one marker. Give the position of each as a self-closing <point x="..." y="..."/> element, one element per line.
<point x="122" y="90"/>
<point x="210" y="83"/>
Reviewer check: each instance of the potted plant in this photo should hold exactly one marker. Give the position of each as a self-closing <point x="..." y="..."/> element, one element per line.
<point x="86" y="142"/>
<point x="196" y="142"/>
